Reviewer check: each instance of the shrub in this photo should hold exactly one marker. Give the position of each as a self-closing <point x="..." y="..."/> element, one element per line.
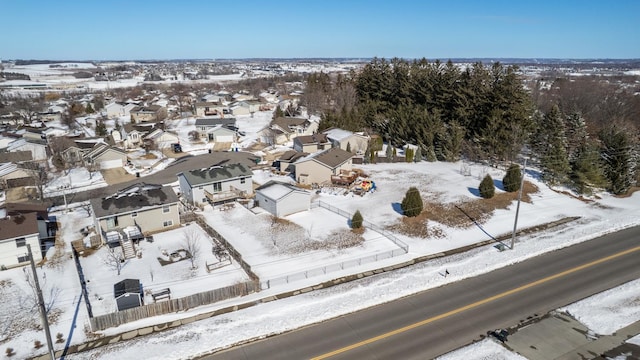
<point x="512" y="179"/>
<point x="356" y="220"/>
<point x="487" y="189"/>
<point x="9" y="352"/>
<point x="412" y="202"/>
<point x="37" y="344"/>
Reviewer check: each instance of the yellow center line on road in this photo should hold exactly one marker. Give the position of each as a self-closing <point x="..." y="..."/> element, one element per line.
<point x="475" y="304"/>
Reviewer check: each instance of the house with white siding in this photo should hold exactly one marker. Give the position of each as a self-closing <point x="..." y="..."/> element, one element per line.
<point x="282" y="199"/>
<point x="16" y="232"/>
<point x="216" y="184"/>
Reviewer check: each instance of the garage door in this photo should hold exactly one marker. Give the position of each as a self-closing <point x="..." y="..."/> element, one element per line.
<point x="110" y="164"/>
<point x="224" y="138"/>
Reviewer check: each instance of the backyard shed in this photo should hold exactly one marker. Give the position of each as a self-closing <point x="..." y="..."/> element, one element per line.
<point x="128" y="294"/>
<point x="282" y="199"/>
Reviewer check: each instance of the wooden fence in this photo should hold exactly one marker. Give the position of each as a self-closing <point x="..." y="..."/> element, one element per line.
<point x="174" y="305"/>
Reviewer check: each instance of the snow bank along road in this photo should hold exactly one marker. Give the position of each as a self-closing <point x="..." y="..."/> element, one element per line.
<point x="437" y="321"/>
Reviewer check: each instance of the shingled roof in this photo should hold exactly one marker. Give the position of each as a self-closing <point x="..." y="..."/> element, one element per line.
<point x="133" y="198"/>
<point x="216" y="173"/>
<point x="332" y="158"/>
<point x="18" y="226"/>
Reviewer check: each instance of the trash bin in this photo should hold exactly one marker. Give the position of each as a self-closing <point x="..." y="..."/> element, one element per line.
<point x="137" y="174"/>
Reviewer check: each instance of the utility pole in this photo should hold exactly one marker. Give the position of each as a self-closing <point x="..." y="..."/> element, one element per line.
<point x="43" y="310"/>
<point x="515" y="223"/>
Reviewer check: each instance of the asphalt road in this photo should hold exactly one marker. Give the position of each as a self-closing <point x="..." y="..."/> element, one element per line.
<point x="440" y="320"/>
<point x="164" y="176"/>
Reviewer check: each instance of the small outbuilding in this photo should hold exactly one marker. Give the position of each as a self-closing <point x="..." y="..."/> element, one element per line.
<point x="128" y="294"/>
<point x="282" y="199"/>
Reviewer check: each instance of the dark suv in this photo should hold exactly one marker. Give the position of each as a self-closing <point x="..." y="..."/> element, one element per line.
<point x="176" y="148"/>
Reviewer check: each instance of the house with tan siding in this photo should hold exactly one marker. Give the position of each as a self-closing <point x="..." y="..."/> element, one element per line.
<point x="135" y="211"/>
<point x="319" y="167"/>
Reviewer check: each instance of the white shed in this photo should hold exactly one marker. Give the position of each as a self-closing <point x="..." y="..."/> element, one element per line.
<point x="282" y="199"/>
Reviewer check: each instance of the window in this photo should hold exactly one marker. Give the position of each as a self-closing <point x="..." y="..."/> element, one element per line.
<point x="243" y="180"/>
<point x="134" y="214"/>
<point x="21" y="242"/>
<point x="166" y="209"/>
<point x="217" y="187"/>
<point x="112" y="222"/>
<point x="167" y="223"/>
<point x="23" y="258"/>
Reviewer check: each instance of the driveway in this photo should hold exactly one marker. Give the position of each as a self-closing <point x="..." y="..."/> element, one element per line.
<point x="116" y="176"/>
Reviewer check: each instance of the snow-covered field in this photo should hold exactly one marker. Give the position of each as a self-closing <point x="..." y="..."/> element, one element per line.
<point x="437" y="181"/>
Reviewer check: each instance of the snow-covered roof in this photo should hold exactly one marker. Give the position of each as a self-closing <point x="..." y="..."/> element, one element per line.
<point x="275" y="190"/>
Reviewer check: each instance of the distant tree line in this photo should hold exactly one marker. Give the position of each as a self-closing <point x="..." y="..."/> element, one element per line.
<point x="580" y="136"/>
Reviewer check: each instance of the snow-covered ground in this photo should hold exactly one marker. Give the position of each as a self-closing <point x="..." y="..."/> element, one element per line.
<point x="438" y="182"/>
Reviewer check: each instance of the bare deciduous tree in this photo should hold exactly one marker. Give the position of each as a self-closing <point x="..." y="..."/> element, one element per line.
<point x="114" y="259"/>
<point x="191" y="242"/>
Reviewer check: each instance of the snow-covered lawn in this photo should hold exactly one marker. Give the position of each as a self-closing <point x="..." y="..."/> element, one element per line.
<point x="292" y="248"/>
<point x="156" y="270"/>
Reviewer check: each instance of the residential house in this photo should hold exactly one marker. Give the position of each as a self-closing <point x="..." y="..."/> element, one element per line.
<point x="344" y="139"/>
<point x="15" y="175"/>
<point x="319" y="167"/>
<point x="282" y="199"/>
<point x="210" y="109"/>
<point x="128" y="136"/>
<point x="15" y="233"/>
<point x="16" y="157"/>
<point x="161" y="139"/>
<point x="104" y="156"/>
<point x="131" y="213"/>
<point x="311" y="143"/>
<point x="216" y="184"/>
<point x="284" y="129"/>
<point x="207" y="127"/>
<point x="47" y="225"/>
<point x="50" y="116"/>
<point x="287" y="159"/>
<point x="75" y="153"/>
<point x="33" y="133"/>
<point x="38" y="148"/>
<point x="115" y="109"/>
<point x="149" y="113"/>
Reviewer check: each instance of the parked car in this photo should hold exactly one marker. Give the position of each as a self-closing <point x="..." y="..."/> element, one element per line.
<point x="177" y="148"/>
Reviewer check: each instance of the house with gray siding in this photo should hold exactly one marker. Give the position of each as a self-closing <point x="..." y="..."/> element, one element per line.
<point x="216" y="184"/>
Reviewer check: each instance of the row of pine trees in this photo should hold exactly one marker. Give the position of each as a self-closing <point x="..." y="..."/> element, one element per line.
<point x="479" y="113"/>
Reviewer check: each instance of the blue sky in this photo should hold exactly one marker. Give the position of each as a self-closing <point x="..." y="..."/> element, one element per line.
<point x="190" y="29"/>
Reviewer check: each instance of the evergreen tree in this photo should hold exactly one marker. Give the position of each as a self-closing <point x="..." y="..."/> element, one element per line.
<point x="620" y="160"/>
<point x="554" y="160"/>
<point x="576" y="134"/>
<point x="356" y="220"/>
<point x="587" y="169"/>
<point x="89" y="109"/>
<point x="101" y="128"/>
<point x="408" y="155"/>
<point x="412" y="203"/>
<point x="512" y="179"/>
<point x="389" y="151"/>
<point x="348" y="147"/>
<point x="278" y="113"/>
<point x="418" y="155"/>
<point x="487" y="189"/>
